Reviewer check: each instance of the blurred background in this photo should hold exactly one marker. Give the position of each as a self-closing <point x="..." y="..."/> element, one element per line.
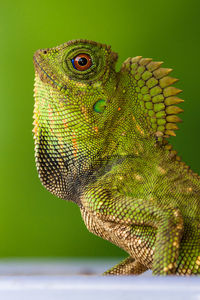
<point x="32" y="221"/>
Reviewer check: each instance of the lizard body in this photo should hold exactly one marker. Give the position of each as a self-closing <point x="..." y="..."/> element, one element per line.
<point x="100" y="141"/>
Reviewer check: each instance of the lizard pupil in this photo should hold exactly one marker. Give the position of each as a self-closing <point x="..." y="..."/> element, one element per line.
<point x="82" y="61"/>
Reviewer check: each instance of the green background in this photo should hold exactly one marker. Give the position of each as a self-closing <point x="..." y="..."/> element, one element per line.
<point x="32" y="221"/>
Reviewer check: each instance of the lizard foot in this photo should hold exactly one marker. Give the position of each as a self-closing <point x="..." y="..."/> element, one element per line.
<point x="128" y="266"/>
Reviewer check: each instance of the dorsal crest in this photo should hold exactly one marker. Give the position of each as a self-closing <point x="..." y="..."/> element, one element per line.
<point x="157" y="97"/>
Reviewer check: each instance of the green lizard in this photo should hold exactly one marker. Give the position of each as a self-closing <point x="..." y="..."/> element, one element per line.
<point x="100" y="141"/>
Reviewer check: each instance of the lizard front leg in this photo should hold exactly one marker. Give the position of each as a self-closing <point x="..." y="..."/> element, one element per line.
<point x="168" y="222"/>
<point x="128" y="266"/>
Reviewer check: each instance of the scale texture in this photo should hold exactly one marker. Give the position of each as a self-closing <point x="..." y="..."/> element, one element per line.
<point x="101" y="141"/>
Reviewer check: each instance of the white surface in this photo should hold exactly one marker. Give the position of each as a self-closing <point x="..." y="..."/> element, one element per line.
<point x="45" y="266"/>
<point x="57" y="280"/>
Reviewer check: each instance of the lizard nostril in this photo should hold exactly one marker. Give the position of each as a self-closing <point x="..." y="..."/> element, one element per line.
<point x="44" y="52"/>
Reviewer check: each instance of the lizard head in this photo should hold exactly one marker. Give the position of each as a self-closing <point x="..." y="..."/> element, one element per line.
<point x="74" y="91"/>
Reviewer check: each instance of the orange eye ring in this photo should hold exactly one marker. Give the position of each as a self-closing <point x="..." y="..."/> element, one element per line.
<point x="82" y="62"/>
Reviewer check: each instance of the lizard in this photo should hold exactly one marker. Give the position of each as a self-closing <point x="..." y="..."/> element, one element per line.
<point x="101" y="141"/>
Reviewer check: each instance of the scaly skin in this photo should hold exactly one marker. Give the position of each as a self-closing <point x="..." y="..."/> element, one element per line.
<point x="100" y="141"/>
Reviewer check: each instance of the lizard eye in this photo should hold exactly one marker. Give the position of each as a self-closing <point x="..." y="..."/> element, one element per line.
<point x="100" y="106"/>
<point x="82" y="62"/>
